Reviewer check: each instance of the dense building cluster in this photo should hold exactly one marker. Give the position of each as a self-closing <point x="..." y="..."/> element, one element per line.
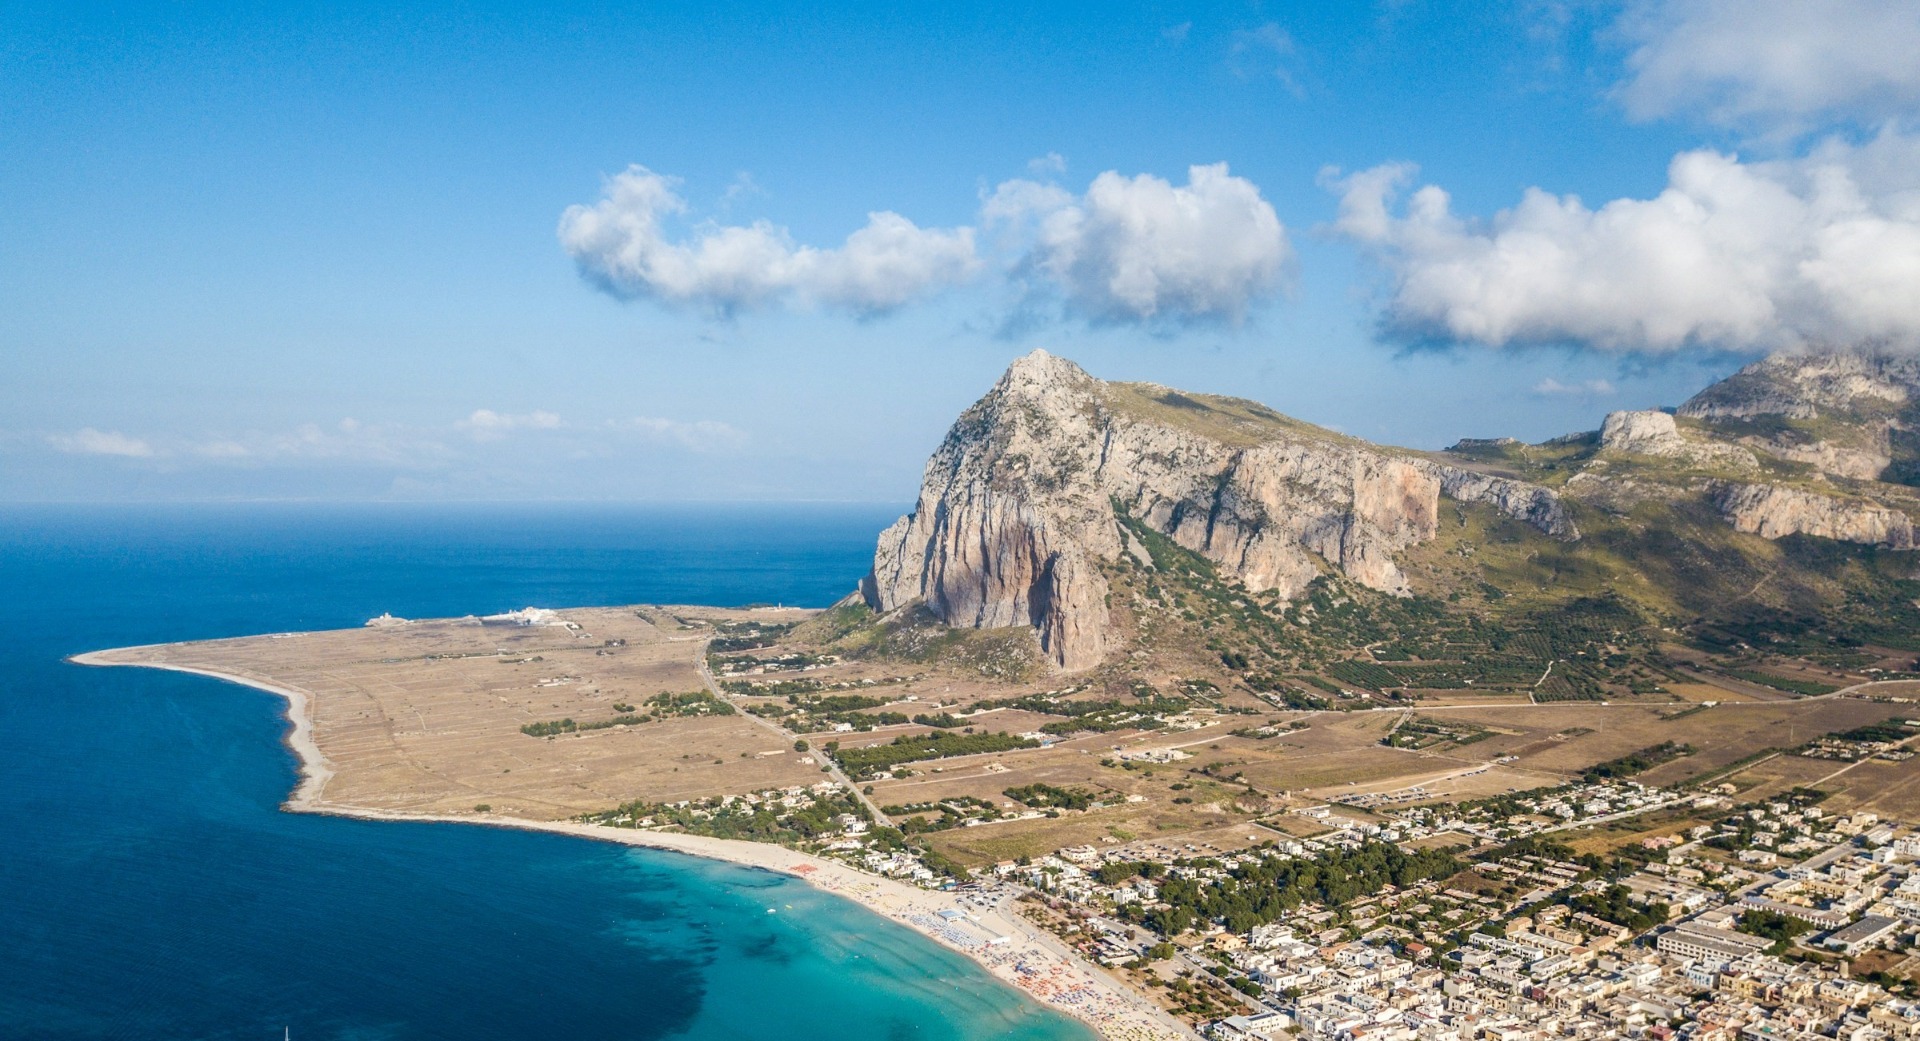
<point x="1461" y="922"/>
<point x="1680" y="940"/>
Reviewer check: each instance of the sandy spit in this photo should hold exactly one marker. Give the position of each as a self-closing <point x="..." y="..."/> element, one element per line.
<point x="1035" y="962"/>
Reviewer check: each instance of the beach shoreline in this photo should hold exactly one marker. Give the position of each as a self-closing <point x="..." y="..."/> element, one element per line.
<point x="1007" y="946"/>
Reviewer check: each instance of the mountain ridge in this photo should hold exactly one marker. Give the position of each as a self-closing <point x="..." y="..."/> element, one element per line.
<point x="1018" y="510"/>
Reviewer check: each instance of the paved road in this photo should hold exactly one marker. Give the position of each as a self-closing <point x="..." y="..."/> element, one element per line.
<point x="1608" y="818"/>
<point x="1858" y="762"/>
<point x="788" y="737"/>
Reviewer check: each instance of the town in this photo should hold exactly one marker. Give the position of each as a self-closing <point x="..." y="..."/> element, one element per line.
<point x="1776" y="920"/>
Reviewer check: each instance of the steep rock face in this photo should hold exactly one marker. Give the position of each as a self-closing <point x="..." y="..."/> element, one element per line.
<point x="1804" y="386"/>
<point x="1643" y="433"/>
<point x="1654" y="433"/>
<point x="1772" y="511"/>
<point x="1843" y="413"/>
<point x="1520" y="500"/>
<point x="1016" y="510"/>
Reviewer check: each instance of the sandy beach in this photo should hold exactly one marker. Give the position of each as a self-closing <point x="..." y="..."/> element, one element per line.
<point x="995" y="937"/>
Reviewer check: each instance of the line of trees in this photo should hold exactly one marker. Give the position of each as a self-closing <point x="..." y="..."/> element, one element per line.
<point x="877" y="759"/>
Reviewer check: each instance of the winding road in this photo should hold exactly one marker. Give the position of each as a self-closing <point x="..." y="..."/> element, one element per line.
<point x="788" y="737"/>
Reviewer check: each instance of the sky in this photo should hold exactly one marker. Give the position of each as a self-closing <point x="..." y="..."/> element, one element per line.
<point x="727" y="251"/>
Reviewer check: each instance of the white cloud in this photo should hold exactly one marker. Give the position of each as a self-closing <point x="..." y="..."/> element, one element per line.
<point x="1264" y="51"/>
<point x="1140" y="248"/>
<point x="1050" y="165"/>
<point x="1772" y="61"/>
<point x="486" y="424"/>
<point x="704" y="435"/>
<point x="481" y="439"/>
<point x="88" y="441"/>
<point x="1736" y="255"/>
<point x="621" y="243"/>
<point x="1551" y="387"/>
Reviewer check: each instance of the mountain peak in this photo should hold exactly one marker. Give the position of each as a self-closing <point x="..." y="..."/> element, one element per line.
<point x="1040" y="368"/>
<point x="1803" y="385"/>
<point x="1023" y="508"/>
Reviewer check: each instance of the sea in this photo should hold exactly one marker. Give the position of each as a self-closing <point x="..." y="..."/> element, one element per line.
<point x="151" y="887"/>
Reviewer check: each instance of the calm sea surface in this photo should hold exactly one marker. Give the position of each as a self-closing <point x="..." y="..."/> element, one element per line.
<point x="150" y="887"/>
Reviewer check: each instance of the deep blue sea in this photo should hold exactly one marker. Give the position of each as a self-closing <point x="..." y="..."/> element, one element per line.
<point x="151" y="888"/>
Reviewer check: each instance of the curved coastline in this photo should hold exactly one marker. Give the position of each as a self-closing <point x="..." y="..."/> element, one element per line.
<point x="1070" y="985"/>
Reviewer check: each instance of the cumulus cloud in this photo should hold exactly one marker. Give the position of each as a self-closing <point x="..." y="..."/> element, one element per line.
<point x="1551" y="387"/>
<point x="1773" y="61"/>
<point x="88" y="441"/>
<point x="1731" y="254"/>
<point x="1140" y="248"/>
<point x="623" y="244"/>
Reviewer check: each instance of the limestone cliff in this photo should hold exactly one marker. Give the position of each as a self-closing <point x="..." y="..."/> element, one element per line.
<point x="1844" y="413"/>
<point x="1016" y="513"/>
<point x="1772" y="512"/>
<point x="1655" y="434"/>
<point x="1818" y="440"/>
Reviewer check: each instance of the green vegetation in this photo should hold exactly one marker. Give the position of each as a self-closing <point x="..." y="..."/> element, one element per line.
<point x="917" y="636"/>
<point x="825" y="712"/>
<point x="836" y="703"/>
<point x="1594" y="642"/>
<point x="1273" y="887"/>
<point x="747" y="636"/>
<point x="1636" y="762"/>
<point x="786" y="661"/>
<point x="777" y="688"/>
<point x="550" y="728"/>
<point x="1365" y="674"/>
<point x="1111" y="716"/>
<point x="952" y="813"/>
<point x="1615" y="904"/>
<point x="1046" y="796"/>
<point x="1148" y="712"/>
<point x="1887" y="732"/>
<point x="1808" y="688"/>
<point x="663" y="705"/>
<point x="1772" y="925"/>
<point x="1508" y="804"/>
<point x="693" y="703"/>
<point x="1423" y="732"/>
<point x="873" y="760"/>
<point x="736" y="817"/>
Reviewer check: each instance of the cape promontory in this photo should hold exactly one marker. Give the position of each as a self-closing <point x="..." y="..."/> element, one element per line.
<point x="1024" y="506"/>
<point x="1017" y="512"/>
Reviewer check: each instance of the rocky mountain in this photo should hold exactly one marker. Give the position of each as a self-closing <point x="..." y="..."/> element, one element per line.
<point x="1017" y="517"/>
<point x="1843" y="414"/>
<point x="1025" y="508"/>
<point x="1820" y="444"/>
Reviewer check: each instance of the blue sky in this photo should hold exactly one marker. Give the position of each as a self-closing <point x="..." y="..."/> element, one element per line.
<point x="604" y="251"/>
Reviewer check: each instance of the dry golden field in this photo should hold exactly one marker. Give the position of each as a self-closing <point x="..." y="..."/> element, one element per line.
<point x="426" y="717"/>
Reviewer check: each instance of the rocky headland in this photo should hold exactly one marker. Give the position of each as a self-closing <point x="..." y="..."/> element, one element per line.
<point x="1024" y="507"/>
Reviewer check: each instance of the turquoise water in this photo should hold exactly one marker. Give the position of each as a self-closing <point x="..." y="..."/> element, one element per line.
<point x="150" y="888"/>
